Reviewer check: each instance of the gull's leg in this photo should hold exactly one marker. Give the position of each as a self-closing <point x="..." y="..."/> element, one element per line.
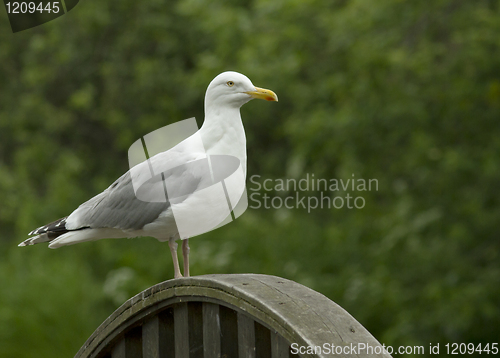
<point x="185" y="254"/>
<point x="173" y="250"/>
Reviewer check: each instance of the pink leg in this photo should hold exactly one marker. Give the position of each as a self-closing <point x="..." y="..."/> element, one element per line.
<point x="185" y="254"/>
<point x="173" y="250"/>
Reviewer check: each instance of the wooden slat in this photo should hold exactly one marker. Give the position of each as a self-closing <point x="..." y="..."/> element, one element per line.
<point x="211" y="330"/>
<point x="279" y="346"/>
<point x="119" y="349"/>
<point x="229" y="332"/>
<point x="129" y="346"/>
<point x="181" y="330"/>
<point x="195" y="322"/>
<point x="151" y="338"/>
<point x="158" y="335"/>
<point x="167" y="340"/>
<point x="167" y="333"/>
<point x="262" y="341"/>
<point x="133" y="343"/>
<point x="246" y="336"/>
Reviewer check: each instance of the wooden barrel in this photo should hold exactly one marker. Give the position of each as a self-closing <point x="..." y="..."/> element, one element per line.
<point x="230" y="316"/>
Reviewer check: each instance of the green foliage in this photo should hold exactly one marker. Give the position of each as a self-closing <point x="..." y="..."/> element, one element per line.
<point x="407" y="93"/>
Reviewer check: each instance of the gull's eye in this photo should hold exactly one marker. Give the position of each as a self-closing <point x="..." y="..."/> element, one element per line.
<point x="230" y="83"/>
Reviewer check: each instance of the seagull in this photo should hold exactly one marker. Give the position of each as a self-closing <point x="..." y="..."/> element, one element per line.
<point x="118" y="213"/>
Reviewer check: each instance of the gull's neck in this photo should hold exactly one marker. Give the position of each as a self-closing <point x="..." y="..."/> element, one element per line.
<point x="222" y="132"/>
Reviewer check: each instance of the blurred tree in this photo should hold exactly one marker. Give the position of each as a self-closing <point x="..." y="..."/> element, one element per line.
<point x="407" y="93"/>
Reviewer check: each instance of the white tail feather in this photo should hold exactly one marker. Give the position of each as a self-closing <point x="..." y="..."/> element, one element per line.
<point x="75" y="237"/>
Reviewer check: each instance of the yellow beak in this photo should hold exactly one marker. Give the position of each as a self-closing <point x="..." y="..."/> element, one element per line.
<point x="262" y="93"/>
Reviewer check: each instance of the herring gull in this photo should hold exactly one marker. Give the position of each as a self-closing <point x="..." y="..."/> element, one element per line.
<point x="117" y="212"/>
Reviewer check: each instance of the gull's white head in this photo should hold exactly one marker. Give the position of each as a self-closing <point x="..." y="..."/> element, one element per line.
<point x="232" y="89"/>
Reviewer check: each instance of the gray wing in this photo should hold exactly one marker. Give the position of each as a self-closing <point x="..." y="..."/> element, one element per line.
<point x="118" y="206"/>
